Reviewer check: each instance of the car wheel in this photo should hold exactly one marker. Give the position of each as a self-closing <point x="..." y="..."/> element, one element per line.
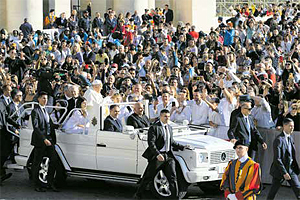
<point x="160" y="187"/>
<point x="43" y="170"/>
<point x="212" y="187"/>
<point x="60" y="175"/>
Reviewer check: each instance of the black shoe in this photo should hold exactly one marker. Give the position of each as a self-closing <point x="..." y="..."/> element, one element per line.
<point x="5" y="176"/>
<point x="40" y="189"/>
<point x="53" y="188"/>
<point x="137" y="196"/>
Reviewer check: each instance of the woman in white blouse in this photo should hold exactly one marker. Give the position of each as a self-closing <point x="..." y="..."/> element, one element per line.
<point x="78" y="123"/>
<point x="183" y="111"/>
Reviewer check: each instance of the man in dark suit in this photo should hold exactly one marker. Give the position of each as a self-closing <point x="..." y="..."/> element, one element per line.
<point x="138" y="119"/>
<point x="15" y="120"/>
<point x="146" y="16"/>
<point x="89" y="56"/>
<point x="234" y="113"/>
<point x="43" y="139"/>
<point x="284" y="166"/>
<point x="112" y="123"/>
<point x="5" y="98"/>
<point x="5" y="136"/>
<point x="168" y="14"/>
<point x="243" y="128"/>
<point x="61" y="22"/>
<point x="11" y="116"/>
<point x="159" y="154"/>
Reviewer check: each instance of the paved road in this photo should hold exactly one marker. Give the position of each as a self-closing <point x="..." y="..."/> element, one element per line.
<point x="19" y="187"/>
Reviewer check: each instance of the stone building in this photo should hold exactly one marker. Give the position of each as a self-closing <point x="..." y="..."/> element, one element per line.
<point x="12" y="12"/>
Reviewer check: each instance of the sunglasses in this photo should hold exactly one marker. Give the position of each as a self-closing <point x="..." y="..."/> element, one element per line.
<point x="248" y="109"/>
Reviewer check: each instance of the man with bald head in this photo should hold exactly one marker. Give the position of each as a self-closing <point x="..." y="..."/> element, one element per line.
<point x="138" y="119"/>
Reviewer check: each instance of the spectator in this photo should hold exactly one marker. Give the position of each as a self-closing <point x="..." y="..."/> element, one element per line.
<point x="61" y="22"/>
<point x="26" y="28"/>
<point x="50" y="20"/>
<point x="183" y="111"/>
<point x="199" y="109"/>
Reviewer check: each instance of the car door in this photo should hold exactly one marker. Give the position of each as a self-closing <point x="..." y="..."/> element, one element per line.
<point x="117" y="152"/>
<point x="79" y="149"/>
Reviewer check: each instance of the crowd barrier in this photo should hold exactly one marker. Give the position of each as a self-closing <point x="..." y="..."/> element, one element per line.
<point x="265" y="157"/>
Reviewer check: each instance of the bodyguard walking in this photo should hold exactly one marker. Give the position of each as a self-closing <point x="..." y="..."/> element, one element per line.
<point x="284" y="166"/>
<point x="159" y="154"/>
<point x="43" y="139"/>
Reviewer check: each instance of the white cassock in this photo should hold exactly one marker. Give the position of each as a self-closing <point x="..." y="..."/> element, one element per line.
<point x="92" y="97"/>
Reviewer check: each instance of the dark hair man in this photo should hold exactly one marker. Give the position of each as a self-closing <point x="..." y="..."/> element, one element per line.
<point x="284" y="166"/>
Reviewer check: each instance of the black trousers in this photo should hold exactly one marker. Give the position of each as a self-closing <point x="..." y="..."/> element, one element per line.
<point x="276" y="183"/>
<point x="169" y="168"/>
<point x="39" y="153"/>
<point x="6" y="148"/>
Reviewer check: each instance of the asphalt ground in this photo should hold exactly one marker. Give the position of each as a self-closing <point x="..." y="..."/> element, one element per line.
<point x="20" y="187"/>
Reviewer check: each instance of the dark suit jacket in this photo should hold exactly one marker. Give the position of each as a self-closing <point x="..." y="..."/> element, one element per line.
<point x="137" y="121"/>
<point x="233" y="115"/>
<point x="11" y="109"/>
<point x="40" y="127"/>
<point x="89" y="58"/>
<point x="281" y="161"/>
<point x="169" y="15"/>
<point x="60" y="22"/>
<point x="111" y="125"/>
<point x="238" y="130"/>
<point x="156" y="141"/>
<point x="2" y="101"/>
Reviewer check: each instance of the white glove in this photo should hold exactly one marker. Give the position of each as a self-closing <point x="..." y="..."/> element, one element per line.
<point x="232" y="197"/>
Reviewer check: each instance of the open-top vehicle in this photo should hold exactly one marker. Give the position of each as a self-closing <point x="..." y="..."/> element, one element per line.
<point x="117" y="156"/>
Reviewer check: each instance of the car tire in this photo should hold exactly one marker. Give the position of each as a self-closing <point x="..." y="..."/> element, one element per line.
<point x="60" y="175"/>
<point x="212" y="187"/>
<point x="160" y="187"/>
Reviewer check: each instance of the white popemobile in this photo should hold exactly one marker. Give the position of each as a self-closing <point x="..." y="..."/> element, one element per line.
<point x="118" y="157"/>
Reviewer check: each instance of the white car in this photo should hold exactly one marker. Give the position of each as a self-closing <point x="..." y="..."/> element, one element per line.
<point x="117" y="156"/>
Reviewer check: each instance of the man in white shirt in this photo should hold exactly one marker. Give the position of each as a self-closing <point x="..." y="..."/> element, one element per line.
<point x="262" y="113"/>
<point x="165" y="104"/>
<point x="200" y="109"/>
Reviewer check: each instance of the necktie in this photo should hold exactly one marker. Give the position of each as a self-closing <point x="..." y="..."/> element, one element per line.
<point x="117" y="123"/>
<point x="167" y="139"/>
<point x="290" y="149"/>
<point x="46" y="115"/>
<point x="248" y="128"/>
<point x="289" y="145"/>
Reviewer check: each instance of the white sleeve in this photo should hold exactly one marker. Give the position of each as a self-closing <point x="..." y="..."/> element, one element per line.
<point x="265" y="105"/>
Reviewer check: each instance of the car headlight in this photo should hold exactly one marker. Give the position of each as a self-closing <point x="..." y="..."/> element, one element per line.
<point x="203" y="157"/>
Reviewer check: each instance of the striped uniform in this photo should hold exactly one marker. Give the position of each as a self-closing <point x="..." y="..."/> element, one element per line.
<point x="242" y="179"/>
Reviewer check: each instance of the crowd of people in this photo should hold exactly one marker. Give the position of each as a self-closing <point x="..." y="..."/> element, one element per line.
<point x="253" y="56"/>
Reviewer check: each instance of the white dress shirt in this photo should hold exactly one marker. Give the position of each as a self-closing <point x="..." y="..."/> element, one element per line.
<point x="182" y="113"/>
<point x="199" y="112"/>
<point x="262" y="114"/>
<point x="159" y="107"/>
<point x="164" y="126"/>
